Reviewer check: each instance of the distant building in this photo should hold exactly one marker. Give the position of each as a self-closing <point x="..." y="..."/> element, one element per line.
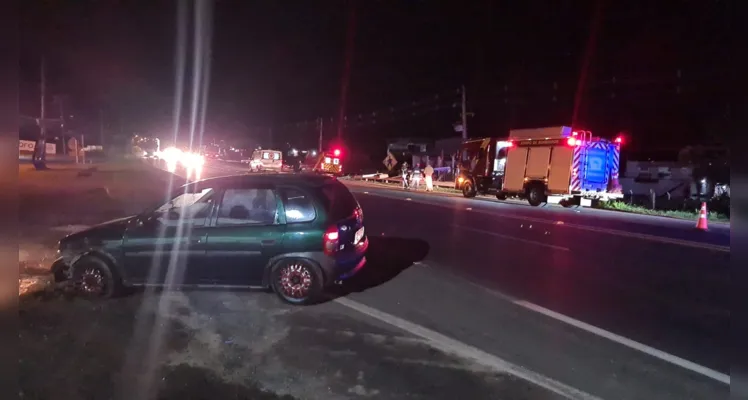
<point x="408" y="145"/>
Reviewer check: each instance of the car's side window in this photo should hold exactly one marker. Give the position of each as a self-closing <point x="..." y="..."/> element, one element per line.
<point x="248" y="207"/>
<point x="187" y="208"/>
<point x="298" y="205"/>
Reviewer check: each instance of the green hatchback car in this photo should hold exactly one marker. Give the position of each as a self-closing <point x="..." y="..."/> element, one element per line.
<point x="295" y="234"/>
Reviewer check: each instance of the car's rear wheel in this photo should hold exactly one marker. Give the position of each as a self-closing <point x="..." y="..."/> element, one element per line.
<point x="297" y="281"/>
<point x="94" y="278"/>
<point x="536" y="195"/>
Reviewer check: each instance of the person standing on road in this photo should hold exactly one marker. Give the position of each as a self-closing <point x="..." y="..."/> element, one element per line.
<point x="416" y="176"/>
<point x="428" y="172"/>
<point x="404" y="174"/>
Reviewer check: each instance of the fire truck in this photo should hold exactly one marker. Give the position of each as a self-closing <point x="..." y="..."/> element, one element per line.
<point x="555" y="165"/>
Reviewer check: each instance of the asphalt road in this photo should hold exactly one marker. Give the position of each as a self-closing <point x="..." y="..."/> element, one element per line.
<point x="617" y="306"/>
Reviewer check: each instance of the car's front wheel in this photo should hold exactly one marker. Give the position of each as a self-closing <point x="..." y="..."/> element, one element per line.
<point x="94" y="278"/>
<point x="297" y="281"/>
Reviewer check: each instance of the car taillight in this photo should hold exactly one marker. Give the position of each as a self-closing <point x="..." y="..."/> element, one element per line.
<point x="330" y="241"/>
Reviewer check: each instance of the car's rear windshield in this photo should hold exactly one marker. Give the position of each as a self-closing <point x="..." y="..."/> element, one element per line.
<point x="339" y="201"/>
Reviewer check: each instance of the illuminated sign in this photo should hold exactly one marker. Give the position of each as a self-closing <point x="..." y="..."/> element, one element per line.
<point x="541" y="142"/>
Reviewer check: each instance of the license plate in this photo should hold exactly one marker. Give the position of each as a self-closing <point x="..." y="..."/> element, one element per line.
<point x="359" y="235"/>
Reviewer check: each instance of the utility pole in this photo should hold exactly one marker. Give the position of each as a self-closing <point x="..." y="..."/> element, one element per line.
<point x="101" y="128"/>
<point x="321" y="131"/>
<point x="39" y="155"/>
<point x="83" y="149"/>
<point x="42" y="113"/>
<point x="62" y="123"/>
<point x="464" y="114"/>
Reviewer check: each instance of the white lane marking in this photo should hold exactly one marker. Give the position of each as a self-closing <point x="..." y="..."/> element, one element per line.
<point x="644" y="236"/>
<point x="615" y="232"/>
<point x="651" y="351"/>
<point x="508" y="237"/>
<point x="452" y="346"/>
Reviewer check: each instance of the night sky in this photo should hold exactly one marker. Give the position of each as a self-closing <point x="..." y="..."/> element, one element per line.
<point x="281" y="64"/>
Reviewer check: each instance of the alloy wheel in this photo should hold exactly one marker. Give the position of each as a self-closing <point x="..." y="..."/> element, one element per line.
<point x="296" y="280"/>
<point x="92" y="282"/>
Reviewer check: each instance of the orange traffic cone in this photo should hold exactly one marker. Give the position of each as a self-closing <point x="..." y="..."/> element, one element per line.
<point x="701" y="222"/>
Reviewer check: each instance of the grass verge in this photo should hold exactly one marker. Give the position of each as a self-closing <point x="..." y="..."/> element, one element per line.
<point x="691" y="215"/>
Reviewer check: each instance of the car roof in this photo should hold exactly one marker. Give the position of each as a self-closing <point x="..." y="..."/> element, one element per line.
<point x="270" y="178"/>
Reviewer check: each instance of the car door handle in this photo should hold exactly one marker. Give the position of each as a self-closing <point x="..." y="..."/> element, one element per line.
<point x="268" y="242"/>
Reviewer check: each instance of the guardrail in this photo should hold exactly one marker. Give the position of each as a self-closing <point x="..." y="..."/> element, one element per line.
<point x="396" y="180"/>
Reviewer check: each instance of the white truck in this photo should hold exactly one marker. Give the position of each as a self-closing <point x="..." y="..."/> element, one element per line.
<point x="560" y="165"/>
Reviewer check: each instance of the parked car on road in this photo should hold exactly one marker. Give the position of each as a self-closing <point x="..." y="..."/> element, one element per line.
<point x="293" y="233"/>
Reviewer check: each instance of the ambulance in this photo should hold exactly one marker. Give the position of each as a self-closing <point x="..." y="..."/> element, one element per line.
<point x="266" y="160"/>
<point x="330" y="163"/>
<point x="327" y="162"/>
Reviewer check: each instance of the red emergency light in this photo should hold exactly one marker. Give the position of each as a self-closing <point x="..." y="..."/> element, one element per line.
<point x="619" y="140"/>
<point x="336" y="152"/>
<point x="572" y="141"/>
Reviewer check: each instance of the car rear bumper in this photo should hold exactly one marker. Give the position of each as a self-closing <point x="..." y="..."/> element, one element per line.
<point x="353" y="271"/>
<point x="347" y="265"/>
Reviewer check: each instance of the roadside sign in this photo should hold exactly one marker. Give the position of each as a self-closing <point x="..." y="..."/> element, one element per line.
<point x="28" y="146"/>
<point x="389" y="161"/>
<point x="72" y="144"/>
